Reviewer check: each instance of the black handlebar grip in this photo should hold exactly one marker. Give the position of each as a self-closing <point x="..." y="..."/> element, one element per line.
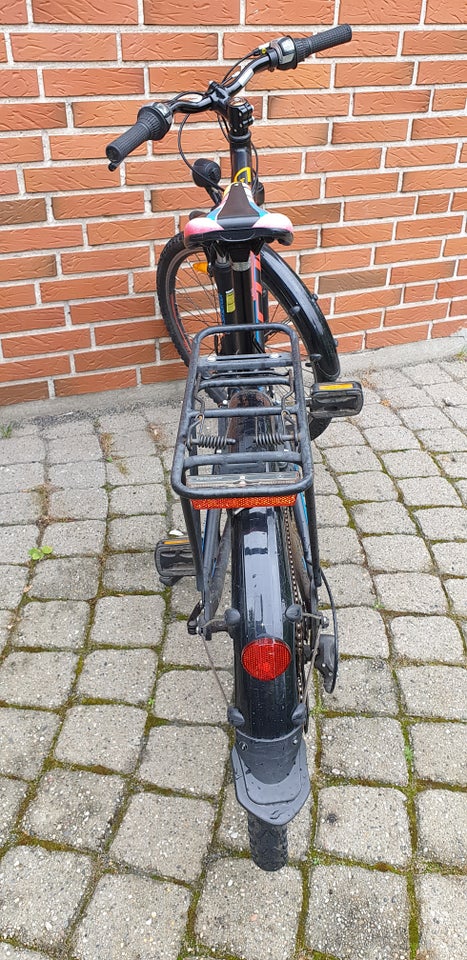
<point x="330" y="38"/>
<point x="152" y="124"/>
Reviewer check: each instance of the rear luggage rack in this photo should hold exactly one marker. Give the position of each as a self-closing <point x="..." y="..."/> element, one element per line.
<point x="263" y="393"/>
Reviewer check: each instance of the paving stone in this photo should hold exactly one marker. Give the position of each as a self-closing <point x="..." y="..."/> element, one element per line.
<point x="434" y="691"/>
<point x="7" y="952"/>
<point x="441" y="441"/>
<point x="352" y="459"/>
<point x="21" y="450"/>
<point x="41" y="893"/>
<point x="76" y="578"/>
<point x="427" y="373"/>
<point x="367" y="486"/>
<point x="364" y="823"/>
<point x="12" y="794"/>
<point x="136" y="533"/>
<point x="323" y="481"/>
<point x="429" y="491"/>
<point x="192" y="695"/>
<point x="102" y="736"/>
<point x="418" y="464"/>
<point x="364" y="748"/>
<point x="442" y="916"/>
<point x="397" y="552"/>
<point x="402" y="397"/>
<point x="377" y="415"/>
<point x="448" y="393"/>
<point x="362" y="632"/>
<point x="74" y="449"/>
<point x="137" y="443"/>
<point x="427" y="638"/>
<point x="37" y="679"/>
<point x="454" y="464"/>
<point x="126" y="675"/>
<point x="135" y="470"/>
<point x="392" y="438"/>
<point x="66" y="426"/>
<point x="25" y="739"/>
<point x="441" y="816"/>
<point x="60" y="624"/>
<point x="12" y="583"/>
<point x="457" y="592"/>
<point x="457" y="416"/>
<point x="76" y="537"/>
<point x="125" y="422"/>
<point x="389" y="517"/>
<point x="181" y="648"/>
<point x="144" y="498"/>
<point x="233" y="830"/>
<point x="350" y="585"/>
<point x="77" y="475"/>
<point x="358" y="914"/>
<point x="184" y="596"/>
<point x="461" y="487"/>
<point x="74" y="807"/>
<point x="340" y="545"/>
<point x="387" y="379"/>
<point x="21" y="478"/>
<point x="81" y="504"/>
<point x="133" y="917"/>
<point x="249" y="913"/>
<point x="411" y="592"/>
<point x="443" y="523"/>
<point x="425" y="418"/>
<point x="340" y="433"/>
<point x="166" y="835"/>
<point x="20" y="508"/>
<point x="128" y="621"/>
<point x="190" y="759"/>
<point x="439" y="752"/>
<point x="16" y="541"/>
<point x="331" y="512"/>
<point x="365" y="686"/>
<point x="6" y="619"/>
<point x="131" y="573"/>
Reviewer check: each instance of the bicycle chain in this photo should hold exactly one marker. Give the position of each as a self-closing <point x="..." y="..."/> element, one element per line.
<point x="296" y="598"/>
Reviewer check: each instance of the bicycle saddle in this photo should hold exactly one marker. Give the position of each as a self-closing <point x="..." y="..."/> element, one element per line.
<point x="238" y="218"/>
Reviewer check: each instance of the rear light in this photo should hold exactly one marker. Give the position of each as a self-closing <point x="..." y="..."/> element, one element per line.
<point x="240" y="503"/>
<point x="266" y="658"/>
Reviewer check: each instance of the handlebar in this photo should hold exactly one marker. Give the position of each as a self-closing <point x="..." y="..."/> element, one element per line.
<point x="154" y="120"/>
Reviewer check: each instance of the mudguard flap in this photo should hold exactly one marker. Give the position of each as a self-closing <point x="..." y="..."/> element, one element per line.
<point x="275" y="803"/>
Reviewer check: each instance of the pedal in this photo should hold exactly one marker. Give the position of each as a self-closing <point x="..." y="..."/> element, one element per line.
<point x="326" y="660"/>
<point x="335" y="399"/>
<point x="174" y="560"/>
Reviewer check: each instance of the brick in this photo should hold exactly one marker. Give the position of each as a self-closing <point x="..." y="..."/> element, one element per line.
<point x="290" y="135"/>
<point x="327" y="260"/>
<point x="21" y="149"/>
<point x="447" y="329"/>
<point x="369" y="131"/>
<point x="154" y="170"/>
<point x="97" y="205"/>
<point x="425" y="42"/>
<point x="88" y="82"/>
<point x="14" y="12"/>
<point x="433" y="203"/>
<point x="429" y="155"/>
<point x="145" y="281"/>
<point x="32" y="116"/>
<point x="444" y="128"/>
<point x="27" y="268"/>
<point x="445" y="11"/>
<point x="50" y="47"/>
<point x="419" y="314"/>
<point x="352" y="344"/>
<point x="408" y="251"/>
<point x="169" y="46"/>
<point x="39" y="319"/>
<point x="8" y="182"/>
<point x="46" y="343"/>
<point x="446" y="99"/>
<point x="118" y="357"/>
<point x="379" y="208"/>
<point x="90" y="287"/>
<point x="364" y="11"/>
<point x="55" y="179"/>
<point x="311" y="76"/>
<point x="353" y="281"/>
<point x="308" y="105"/>
<point x="458" y="308"/>
<point x="345" y="160"/>
<point x="392" y="101"/>
<point x="82" y="146"/>
<point x="367" y="301"/>
<point x="22" y="392"/>
<point x="388" y="338"/>
<point x="373" y="75"/>
<point x="178" y="14"/>
<point x="95" y="383"/>
<point x="288" y="11"/>
<point x="411" y="273"/>
<point x="442" y="71"/>
<point x="21" y="211"/>
<point x="160" y="373"/>
<point x="348" y="324"/>
<point x="434" y="179"/>
<point x="350" y="236"/>
<point x="86" y="12"/>
<point x="312" y="213"/>
<point x="113" y="309"/>
<point x="33" y="369"/>
<point x="455" y="247"/>
<point x="99" y="113"/>
<point x="419" y="292"/>
<point x="21" y="295"/>
<point x="40" y="238"/>
<point x="365" y="184"/>
<point x="428" y="227"/>
<point x="127" y="231"/>
<point x="100" y="260"/>
<point x="18" y="83"/>
<point x="453" y="288"/>
<point x="458" y="202"/>
<point x="115" y="333"/>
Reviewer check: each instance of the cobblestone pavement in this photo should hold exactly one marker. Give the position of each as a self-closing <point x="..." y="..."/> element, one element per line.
<point x="119" y="833"/>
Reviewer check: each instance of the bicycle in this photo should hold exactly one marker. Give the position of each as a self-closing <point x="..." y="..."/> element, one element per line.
<point x="240" y="319"/>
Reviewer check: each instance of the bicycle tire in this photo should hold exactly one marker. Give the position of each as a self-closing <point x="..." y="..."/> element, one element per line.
<point x="268" y="844"/>
<point x="188" y="303"/>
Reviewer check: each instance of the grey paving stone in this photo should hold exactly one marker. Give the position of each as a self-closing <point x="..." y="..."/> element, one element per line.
<point x="377" y="415"/>
<point x="443" y="523"/>
<point x="439" y="752"/>
<point x="136" y="533"/>
<point x="67" y="426"/>
<point x="401" y="397"/>
<point x="58" y="624"/>
<point x="131" y="573"/>
<point x="190" y="759"/>
<point x="249" y="913"/>
<point x="37" y="679"/>
<point x="76" y="537"/>
<point x="362" y="632"/>
<point x="331" y="512"/>
<point x="135" y="470"/>
<point x="418" y="464"/>
<point x="364" y="823"/>
<point x="365" y="686"/>
<point x="392" y="438"/>
<point x="233" y="829"/>
<point x="340" y="433"/>
<point x="181" y="648"/>
<point x="448" y="393"/>
<point x="41" y="893"/>
<point x="339" y="545"/>
<point x="434" y="691"/>
<point x="106" y="736"/>
<point x="20" y="507"/>
<point x="442" y="441"/>
<point x="134" y="443"/>
<point x="80" y="504"/>
<point x="457" y="415"/>
<point x="454" y="464"/>
<point x="443" y="908"/>
<point x="128" y="621"/>
<point x="143" y="498"/>
<point x="74" y="807"/>
<point x="350" y="585"/>
<point x="184" y="596"/>
<point x="75" y="578"/>
<point x="442" y="815"/>
<point x="429" y="491"/>
<point x="389" y="517"/>
<point x="364" y="748"/>
<point x="461" y="487"/>
<point x="77" y="475"/>
<point x="21" y="450"/>
<point x="125" y="422"/>
<point x="12" y="794"/>
<point x="192" y="695"/>
<point x="387" y="379"/>
<point x="427" y="373"/>
<point x="165" y="835"/>
<point x="323" y="481"/>
<point x="74" y="449"/>
<point x="6" y="619"/>
<point x="12" y="583"/>
<point x="367" y="486"/>
<point x="455" y="367"/>
<point x="427" y="638"/>
<point x="352" y="459"/>
<point x="7" y="952"/>
<point x="411" y="592"/>
<point x="397" y="552"/>
<point x="25" y="739"/>
<point x="21" y="477"/>
<point x="425" y="418"/>
<point x="133" y="917"/>
<point x="16" y="541"/>
<point x="457" y="592"/>
<point x="125" y="675"/>
<point x="358" y="914"/>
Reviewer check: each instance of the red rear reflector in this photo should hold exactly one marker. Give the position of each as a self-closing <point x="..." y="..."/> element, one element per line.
<point x="266" y="658"/>
<point x="239" y="503"/>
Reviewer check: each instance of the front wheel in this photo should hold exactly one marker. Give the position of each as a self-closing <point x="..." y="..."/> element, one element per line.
<point x="268" y="844"/>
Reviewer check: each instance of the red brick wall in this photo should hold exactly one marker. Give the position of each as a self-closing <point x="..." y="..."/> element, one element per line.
<point x="364" y="147"/>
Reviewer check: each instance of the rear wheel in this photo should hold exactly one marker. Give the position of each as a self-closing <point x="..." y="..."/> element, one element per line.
<point x="268" y="844"/>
